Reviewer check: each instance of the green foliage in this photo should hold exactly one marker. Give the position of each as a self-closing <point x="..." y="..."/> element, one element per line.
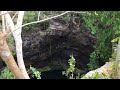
<point x="6" y="74"/>
<point x="93" y="64"/>
<point x="115" y="39"/>
<point x="89" y="21"/>
<point x="35" y="72"/>
<point x="71" y="62"/>
<point x="30" y="16"/>
<point x="103" y="25"/>
<point x="70" y="70"/>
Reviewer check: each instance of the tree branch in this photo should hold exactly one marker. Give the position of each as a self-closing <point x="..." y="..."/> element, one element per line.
<point x="6" y="13"/>
<point x="3" y="22"/>
<point x="18" y="40"/>
<point x="47" y="19"/>
<point x="12" y="19"/>
<point x="38" y="15"/>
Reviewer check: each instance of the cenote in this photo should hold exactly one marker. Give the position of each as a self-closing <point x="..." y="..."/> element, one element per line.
<point x="53" y="74"/>
<point x="53" y="47"/>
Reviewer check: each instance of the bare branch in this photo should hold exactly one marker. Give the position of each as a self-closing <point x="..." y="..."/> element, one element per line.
<point x="12" y="19"/>
<point x="50" y="18"/>
<point x="9" y="21"/>
<point x="14" y="15"/>
<point x="3" y="22"/>
<point x="6" y="13"/>
<point x="18" y="43"/>
<point x="47" y="19"/>
<point x="39" y="15"/>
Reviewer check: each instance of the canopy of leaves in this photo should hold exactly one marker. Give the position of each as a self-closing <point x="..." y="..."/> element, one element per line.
<point x="105" y="26"/>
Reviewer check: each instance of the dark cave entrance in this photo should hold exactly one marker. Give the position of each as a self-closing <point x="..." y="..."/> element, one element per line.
<point x="53" y="74"/>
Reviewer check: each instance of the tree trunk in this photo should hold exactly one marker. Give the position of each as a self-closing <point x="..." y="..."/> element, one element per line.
<point x="18" y="40"/>
<point x="8" y="58"/>
<point x="3" y="22"/>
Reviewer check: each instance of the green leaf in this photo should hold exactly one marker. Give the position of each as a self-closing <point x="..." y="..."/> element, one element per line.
<point x="115" y="40"/>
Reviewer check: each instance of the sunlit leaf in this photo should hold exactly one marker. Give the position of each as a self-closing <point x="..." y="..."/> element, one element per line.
<point x="114" y="55"/>
<point x="115" y="40"/>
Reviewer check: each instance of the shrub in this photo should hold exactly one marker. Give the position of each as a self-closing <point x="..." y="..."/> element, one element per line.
<point x="35" y="73"/>
<point x="70" y="70"/>
<point x="93" y="64"/>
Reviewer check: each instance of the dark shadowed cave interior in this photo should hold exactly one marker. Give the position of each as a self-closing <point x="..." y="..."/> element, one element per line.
<point x="55" y="45"/>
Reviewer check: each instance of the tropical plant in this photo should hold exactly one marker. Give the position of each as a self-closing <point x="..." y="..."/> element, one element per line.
<point x="35" y="72"/>
<point x="69" y="72"/>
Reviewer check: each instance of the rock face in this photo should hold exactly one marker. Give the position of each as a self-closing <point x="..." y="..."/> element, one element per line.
<point x="56" y="44"/>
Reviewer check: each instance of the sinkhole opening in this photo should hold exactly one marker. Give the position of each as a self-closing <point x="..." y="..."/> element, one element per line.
<point x="52" y="74"/>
